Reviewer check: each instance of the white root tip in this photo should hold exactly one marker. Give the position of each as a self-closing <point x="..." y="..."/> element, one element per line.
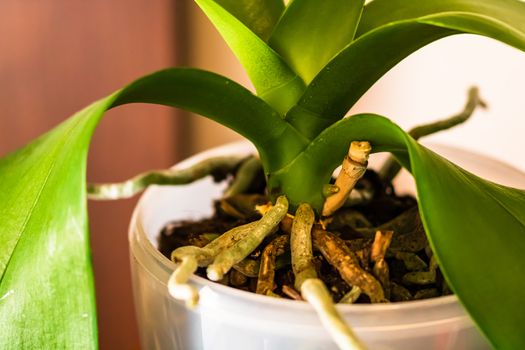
<point x="214" y="273"/>
<point x="183" y="291"/>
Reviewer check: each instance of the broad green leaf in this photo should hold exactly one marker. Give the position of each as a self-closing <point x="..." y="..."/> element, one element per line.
<point x="476" y="228"/>
<point x="311" y="32"/>
<point x="389" y="31"/>
<point x="46" y="290"/>
<point x="274" y="81"/>
<point x="46" y="286"/>
<point x="224" y="101"/>
<point x="258" y="15"/>
<point x="502" y="13"/>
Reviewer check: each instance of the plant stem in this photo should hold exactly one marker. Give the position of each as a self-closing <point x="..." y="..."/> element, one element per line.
<point x="265" y="282"/>
<point x="315" y="292"/>
<point x="353" y="168"/>
<point x="244" y="177"/>
<point x="227" y="258"/>
<point x="391" y="168"/>
<point x="128" y="188"/>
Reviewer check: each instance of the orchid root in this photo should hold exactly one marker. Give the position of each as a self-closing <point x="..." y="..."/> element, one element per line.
<point x="224" y="261"/>
<point x="336" y="252"/>
<point x="265" y="282"/>
<point x="217" y="166"/>
<point x="377" y="255"/>
<point x="312" y="288"/>
<point x="301" y="245"/>
<point x="315" y="292"/>
<point x="191" y="257"/>
<point x="247" y="172"/>
<point x="353" y="168"/>
<point x="391" y="168"/>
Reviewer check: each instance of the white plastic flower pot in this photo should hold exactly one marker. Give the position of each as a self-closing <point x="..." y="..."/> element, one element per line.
<point x="229" y="319"/>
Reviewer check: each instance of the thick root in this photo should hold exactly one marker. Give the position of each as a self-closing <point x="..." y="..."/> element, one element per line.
<point x="377" y="256"/>
<point x="353" y="168"/>
<point x="191" y="257"/>
<point x="178" y="285"/>
<point x="265" y="282"/>
<point x="241" y="249"/>
<point x="346" y="262"/>
<point x="301" y="245"/>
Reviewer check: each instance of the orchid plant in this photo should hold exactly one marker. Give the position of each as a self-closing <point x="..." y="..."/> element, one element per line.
<point x="309" y="61"/>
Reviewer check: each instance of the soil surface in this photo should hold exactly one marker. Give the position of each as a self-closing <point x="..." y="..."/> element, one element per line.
<point x="411" y="272"/>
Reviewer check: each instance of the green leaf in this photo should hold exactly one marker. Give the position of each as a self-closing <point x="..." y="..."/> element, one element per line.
<point x="46" y="289"/>
<point x="476" y="228"/>
<point x="258" y="15"/>
<point x="46" y="286"/>
<point x="311" y="32"/>
<point x="274" y="81"/>
<point x="224" y="101"/>
<point x="389" y="31"/>
<point x="498" y="13"/>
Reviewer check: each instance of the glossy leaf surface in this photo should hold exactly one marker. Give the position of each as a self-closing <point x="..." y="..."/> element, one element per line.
<point x="476" y="228"/>
<point x="311" y="32"/>
<point x="274" y="81"/>
<point x="388" y="32"/>
<point x="258" y="15"/>
<point x="46" y="287"/>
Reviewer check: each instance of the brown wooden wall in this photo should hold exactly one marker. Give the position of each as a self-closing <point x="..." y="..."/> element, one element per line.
<point x="58" y="56"/>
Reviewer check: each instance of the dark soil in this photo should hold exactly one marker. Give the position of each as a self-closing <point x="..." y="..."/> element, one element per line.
<point x="408" y="257"/>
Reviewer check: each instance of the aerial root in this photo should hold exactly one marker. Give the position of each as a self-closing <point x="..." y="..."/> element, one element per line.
<point x="226" y="251"/>
<point x="353" y="168"/>
<point x="377" y="256"/>
<point x="337" y="253"/>
<point x="247" y="172"/>
<point x="231" y="250"/>
<point x="391" y="167"/>
<point x="217" y="166"/>
<point x="265" y="282"/>
<point x="178" y="285"/>
<point x="190" y="257"/>
<point x="301" y="245"/>
<point x="315" y="292"/>
<point x="234" y="254"/>
<point x="352" y="296"/>
<point x="312" y="288"/>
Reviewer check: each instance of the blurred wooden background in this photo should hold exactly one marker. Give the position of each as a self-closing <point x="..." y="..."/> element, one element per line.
<point x="58" y="56"/>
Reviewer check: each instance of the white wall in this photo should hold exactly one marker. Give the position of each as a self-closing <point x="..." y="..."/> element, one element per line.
<point x="432" y="83"/>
